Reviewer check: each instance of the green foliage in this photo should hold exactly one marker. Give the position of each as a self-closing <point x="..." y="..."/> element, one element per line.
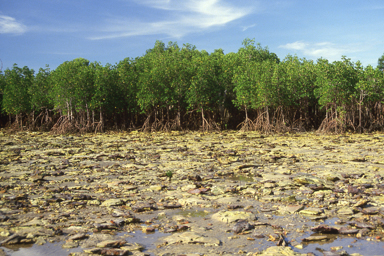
<point x="16" y="90"/>
<point x="254" y="86"/>
<point x="380" y="63"/>
<point x="40" y="90"/>
<point x="107" y="94"/>
<point x="169" y="84"/>
<point x="335" y="82"/>
<point x="73" y="86"/>
<point x="294" y="83"/>
<point x="252" y="52"/>
<point x="128" y="73"/>
<point x="164" y="76"/>
<point x="169" y="174"/>
<point x="2" y="86"/>
<point x="153" y="80"/>
<point x="207" y="89"/>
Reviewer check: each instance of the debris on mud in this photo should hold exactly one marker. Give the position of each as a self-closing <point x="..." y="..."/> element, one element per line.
<point x="229" y="193"/>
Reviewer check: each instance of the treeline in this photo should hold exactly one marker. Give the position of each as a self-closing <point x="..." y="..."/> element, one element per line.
<point x="174" y="88"/>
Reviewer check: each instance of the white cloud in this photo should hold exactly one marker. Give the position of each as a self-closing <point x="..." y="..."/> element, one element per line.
<point x="248" y="27"/>
<point x="183" y="17"/>
<point x="9" y="25"/>
<point x="325" y="50"/>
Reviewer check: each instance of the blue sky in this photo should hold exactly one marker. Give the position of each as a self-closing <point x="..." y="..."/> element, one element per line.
<point x="34" y="33"/>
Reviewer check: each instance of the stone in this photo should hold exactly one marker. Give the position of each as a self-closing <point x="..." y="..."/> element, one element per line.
<point x="315" y="238"/>
<point x="241" y="226"/>
<point x="311" y="211"/>
<point x="35" y="222"/>
<point x="345" y="211"/>
<point x="290" y="209"/>
<point x="233" y="216"/>
<point x="133" y="247"/>
<point x="191" y="201"/>
<point x="307" y="180"/>
<point x="192" y="238"/>
<point x="111" y="243"/>
<point x="108" y="251"/>
<point x="113" y="202"/>
<point x="279" y="250"/>
<point x="78" y="236"/>
<point x="70" y="244"/>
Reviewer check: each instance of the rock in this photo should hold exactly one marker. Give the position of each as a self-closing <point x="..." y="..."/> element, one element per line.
<point x="279" y="250"/>
<point x="325" y="229"/>
<point x="113" y="202"/>
<point x="108" y="251"/>
<point x="347" y="231"/>
<point x="133" y="247"/>
<point x="370" y="210"/>
<point x="197" y="191"/>
<point x="361" y="203"/>
<point x="70" y="244"/>
<point x="345" y="211"/>
<point x="188" y="187"/>
<point x="257" y="234"/>
<point x="290" y="209"/>
<point x="228" y="200"/>
<point x="111" y="243"/>
<point x="156" y="188"/>
<point x="13" y="239"/>
<point x="241" y="226"/>
<point x="361" y="225"/>
<point x="78" y="236"/>
<point x="35" y="222"/>
<point x="233" y="216"/>
<point x="315" y="238"/>
<point x="312" y="211"/>
<point x="218" y="190"/>
<point x="93" y="202"/>
<point x="40" y="241"/>
<point x="142" y="207"/>
<point x="94" y="239"/>
<point x="192" y="238"/>
<point x="191" y="201"/>
<point x="249" y="191"/>
<point x="307" y="180"/>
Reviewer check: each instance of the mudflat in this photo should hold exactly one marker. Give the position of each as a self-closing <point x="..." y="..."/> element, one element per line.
<point x="191" y="193"/>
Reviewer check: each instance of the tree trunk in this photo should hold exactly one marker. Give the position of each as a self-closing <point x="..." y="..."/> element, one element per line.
<point x="88" y="116"/>
<point x="101" y="120"/>
<point x="178" y="116"/>
<point x="93" y="119"/>
<point x="202" y="117"/>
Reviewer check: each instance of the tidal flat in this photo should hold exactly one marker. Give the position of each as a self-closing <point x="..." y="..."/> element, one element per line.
<point x="191" y="193"/>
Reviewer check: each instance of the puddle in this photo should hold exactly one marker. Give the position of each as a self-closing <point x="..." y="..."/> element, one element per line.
<point x="47" y="249"/>
<point x="349" y="244"/>
<point x="148" y="240"/>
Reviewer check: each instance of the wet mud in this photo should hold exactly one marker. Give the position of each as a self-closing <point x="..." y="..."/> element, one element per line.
<point x="190" y="193"/>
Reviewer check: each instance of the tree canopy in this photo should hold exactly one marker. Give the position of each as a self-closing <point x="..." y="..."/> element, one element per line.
<point x="174" y="87"/>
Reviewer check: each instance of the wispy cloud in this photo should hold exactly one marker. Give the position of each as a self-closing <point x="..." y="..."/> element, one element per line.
<point x="9" y="25"/>
<point x="248" y="27"/>
<point x="183" y="17"/>
<point x="325" y="50"/>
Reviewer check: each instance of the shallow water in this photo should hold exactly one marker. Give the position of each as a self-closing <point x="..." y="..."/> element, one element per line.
<point x="349" y="244"/>
<point x="55" y="249"/>
<point x="47" y="249"/>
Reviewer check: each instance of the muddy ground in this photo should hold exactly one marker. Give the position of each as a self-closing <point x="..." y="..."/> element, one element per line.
<point x="190" y="193"/>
